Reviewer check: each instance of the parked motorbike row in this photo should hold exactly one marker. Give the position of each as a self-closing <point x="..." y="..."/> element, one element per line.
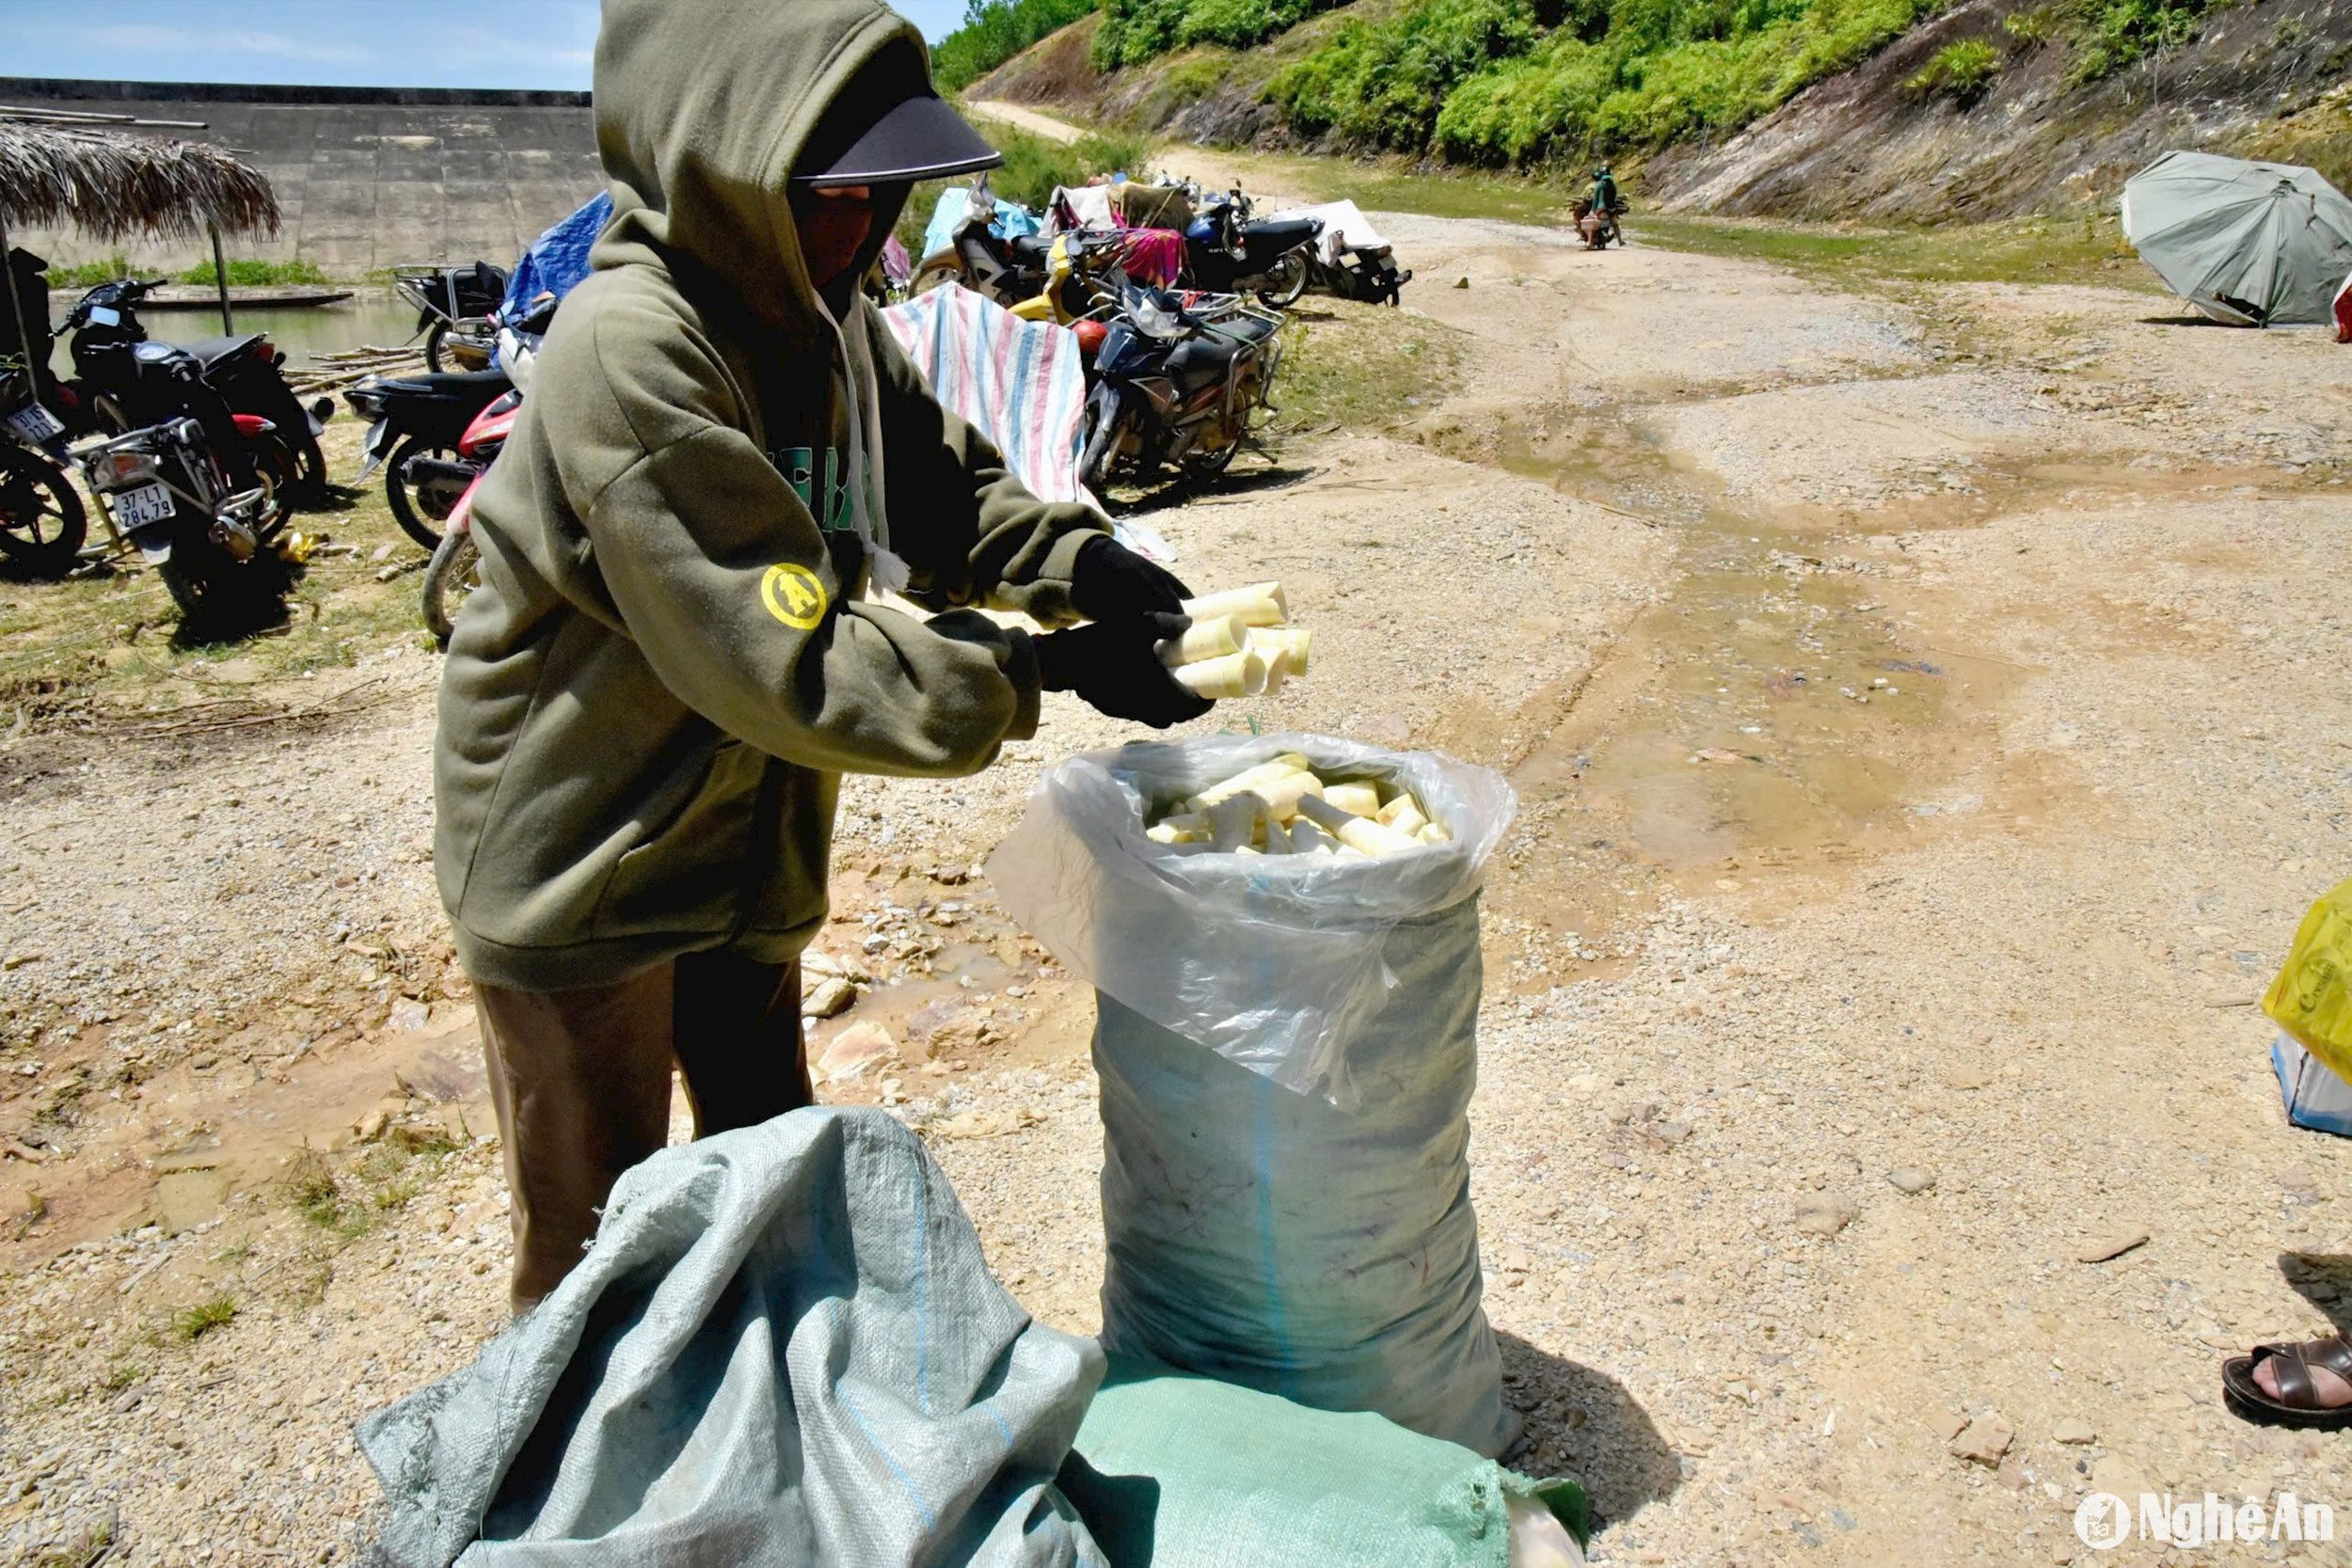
<point x="1177" y="377"/>
<point x="202" y="451"/>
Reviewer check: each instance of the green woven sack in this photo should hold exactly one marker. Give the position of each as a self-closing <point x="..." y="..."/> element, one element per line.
<point x="1171" y="1471"/>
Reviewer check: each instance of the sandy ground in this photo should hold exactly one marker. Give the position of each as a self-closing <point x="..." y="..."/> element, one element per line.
<point x="1928" y="721"/>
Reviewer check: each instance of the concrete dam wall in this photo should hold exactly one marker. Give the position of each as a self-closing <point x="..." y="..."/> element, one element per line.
<point x="367" y="176"/>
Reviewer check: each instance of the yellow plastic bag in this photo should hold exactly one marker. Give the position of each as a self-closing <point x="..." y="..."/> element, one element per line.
<point x="2311" y="998"/>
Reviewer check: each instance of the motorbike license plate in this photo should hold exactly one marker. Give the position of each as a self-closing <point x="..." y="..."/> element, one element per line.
<point x="35" y="423"/>
<point x="146" y="503"/>
<point x="379" y="442"/>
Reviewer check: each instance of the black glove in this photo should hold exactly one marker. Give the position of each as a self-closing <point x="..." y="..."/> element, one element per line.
<point x="1109" y="581"/>
<point x="1115" y="666"/>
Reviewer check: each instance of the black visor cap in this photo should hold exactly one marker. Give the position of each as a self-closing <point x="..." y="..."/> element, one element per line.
<point x="916" y="137"/>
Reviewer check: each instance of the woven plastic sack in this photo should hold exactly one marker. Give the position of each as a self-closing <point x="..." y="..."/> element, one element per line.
<point x="1183" y="1472"/>
<point x="1273" y="961"/>
<point x="2311" y="997"/>
<point x="783" y="1350"/>
<point x="1319" y="1246"/>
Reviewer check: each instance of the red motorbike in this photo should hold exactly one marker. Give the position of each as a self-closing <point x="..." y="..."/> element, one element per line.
<point x="456" y="568"/>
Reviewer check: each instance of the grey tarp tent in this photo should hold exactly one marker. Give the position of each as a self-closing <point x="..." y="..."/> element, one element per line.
<point x="2251" y="244"/>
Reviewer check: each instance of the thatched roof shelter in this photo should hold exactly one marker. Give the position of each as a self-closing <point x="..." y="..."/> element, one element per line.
<point x="58" y="166"/>
<point x="115" y="186"/>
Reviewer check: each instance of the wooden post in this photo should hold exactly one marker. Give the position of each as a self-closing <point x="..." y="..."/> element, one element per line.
<point x="220" y="281"/>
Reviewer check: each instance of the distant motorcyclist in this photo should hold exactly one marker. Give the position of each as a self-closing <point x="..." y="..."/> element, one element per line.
<point x="1605" y="194"/>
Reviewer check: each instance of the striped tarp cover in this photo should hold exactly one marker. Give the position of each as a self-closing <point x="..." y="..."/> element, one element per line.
<point x="1019" y="383"/>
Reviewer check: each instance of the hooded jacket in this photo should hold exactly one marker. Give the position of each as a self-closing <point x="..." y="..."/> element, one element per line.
<point x="648" y="703"/>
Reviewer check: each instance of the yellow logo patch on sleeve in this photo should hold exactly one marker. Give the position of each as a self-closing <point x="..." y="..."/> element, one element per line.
<point x="794" y="595"/>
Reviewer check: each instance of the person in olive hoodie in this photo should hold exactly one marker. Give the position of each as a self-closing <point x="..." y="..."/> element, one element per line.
<point x="673" y="657"/>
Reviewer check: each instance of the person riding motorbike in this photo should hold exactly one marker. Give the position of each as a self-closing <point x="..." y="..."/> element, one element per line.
<point x="671" y="659"/>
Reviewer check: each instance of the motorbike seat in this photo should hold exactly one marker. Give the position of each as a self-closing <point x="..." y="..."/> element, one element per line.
<point x="477" y="387"/>
<point x="211" y="351"/>
<point x="1207" y="354"/>
<point x="1030" y="247"/>
<point x="1283" y="232"/>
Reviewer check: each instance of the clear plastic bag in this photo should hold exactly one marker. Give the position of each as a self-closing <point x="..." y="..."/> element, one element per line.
<point x="1270" y="960"/>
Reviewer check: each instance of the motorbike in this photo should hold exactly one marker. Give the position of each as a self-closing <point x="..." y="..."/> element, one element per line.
<point x="168" y="493"/>
<point x="455" y="307"/>
<point x="1006" y="271"/>
<point x="454" y="571"/>
<point x="125" y="381"/>
<point x="42" y="521"/>
<point x="1597" y="225"/>
<point x="1224" y="252"/>
<point x="1176" y="384"/>
<point x="1366" y="273"/>
<point x="415" y="425"/>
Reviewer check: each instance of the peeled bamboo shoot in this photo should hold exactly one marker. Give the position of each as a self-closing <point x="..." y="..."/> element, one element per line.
<point x="1206" y="638"/>
<point x="1241" y="674"/>
<point x="1432" y="834"/>
<point x="1278" y="668"/>
<point x="1403" y="815"/>
<point x="1261" y="604"/>
<point x="1356" y="832"/>
<point x="1282" y="795"/>
<point x="1249" y="778"/>
<point x="1293" y="641"/>
<point x="1362" y="799"/>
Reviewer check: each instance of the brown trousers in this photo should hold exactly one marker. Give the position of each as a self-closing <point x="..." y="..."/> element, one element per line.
<point x="580" y="1080"/>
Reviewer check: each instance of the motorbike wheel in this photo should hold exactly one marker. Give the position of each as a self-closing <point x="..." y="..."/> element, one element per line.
<point x="308" y="471"/>
<point x="413" y="522"/>
<point x="434" y="337"/>
<point x="937" y="276"/>
<point x="1109" y="420"/>
<point x="1290" y="278"/>
<point x="42" y="521"/>
<point x="1204" y="468"/>
<point x="455" y="572"/>
<point x="218" y="595"/>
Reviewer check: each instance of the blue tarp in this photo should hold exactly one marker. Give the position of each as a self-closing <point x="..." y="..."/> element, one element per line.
<point x="1012" y="219"/>
<point x="557" y="260"/>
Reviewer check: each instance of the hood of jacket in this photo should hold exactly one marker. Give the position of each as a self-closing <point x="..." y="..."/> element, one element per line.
<point x="703" y="110"/>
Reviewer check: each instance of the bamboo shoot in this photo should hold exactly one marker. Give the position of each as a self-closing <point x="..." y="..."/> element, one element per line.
<point x="1356" y="832"/>
<point x="1249" y="778"/>
<point x="1293" y="641"/>
<point x="1362" y="799"/>
<point x="1241" y="674"/>
<point x="1402" y="815"/>
<point x="1261" y="604"/>
<point x="1206" y="638"/>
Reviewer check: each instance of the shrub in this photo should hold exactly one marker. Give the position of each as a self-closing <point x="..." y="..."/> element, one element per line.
<point x="1134" y="31"/>
<point x="2121" y="32"/>
<point x="1385" y="84"/>
<point x="2032" y="28"/>
<point x="253" y="274"/>
<point x="1961" y="72"/>
<point x="995" y="31"/>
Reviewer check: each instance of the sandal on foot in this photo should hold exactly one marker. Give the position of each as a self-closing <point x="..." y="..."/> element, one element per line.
<point x="2298" y="1404"/>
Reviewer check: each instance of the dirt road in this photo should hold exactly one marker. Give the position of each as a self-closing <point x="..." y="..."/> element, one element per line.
<point x="1928" y="720"/>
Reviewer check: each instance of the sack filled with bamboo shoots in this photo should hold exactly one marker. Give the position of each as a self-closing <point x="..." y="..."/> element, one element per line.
<point x="1286" y="1042"/>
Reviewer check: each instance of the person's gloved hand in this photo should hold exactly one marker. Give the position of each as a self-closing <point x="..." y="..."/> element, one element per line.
<point x="1109" y="581"/>
<point x="1115" y="667"/>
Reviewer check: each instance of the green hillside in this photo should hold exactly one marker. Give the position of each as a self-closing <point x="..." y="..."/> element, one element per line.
<point x="1524" y="82"/>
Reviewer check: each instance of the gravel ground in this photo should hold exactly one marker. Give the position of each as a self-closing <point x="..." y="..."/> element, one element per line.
<point x="1896" y="864"/>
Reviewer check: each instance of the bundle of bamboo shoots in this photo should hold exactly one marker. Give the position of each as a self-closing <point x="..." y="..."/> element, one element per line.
<point x="1286" y="807"/>
<point x="1240" y="644"/>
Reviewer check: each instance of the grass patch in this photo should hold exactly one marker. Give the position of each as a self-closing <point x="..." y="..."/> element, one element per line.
<point x="112" y="637"/>
<point x="1354" y="365"/>
<point x="256" y="273"/>
<point x="192" y="1323"/>
<point x="88" y="275"/>
<point x="1961" y="72"/>
<point x="311" y="1188"/>
<point x="2088" y="249"/>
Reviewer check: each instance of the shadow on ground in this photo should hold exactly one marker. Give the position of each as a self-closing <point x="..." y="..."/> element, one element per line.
<point x="1584" y="1422"/>
<point x="2325" y="1280"/>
